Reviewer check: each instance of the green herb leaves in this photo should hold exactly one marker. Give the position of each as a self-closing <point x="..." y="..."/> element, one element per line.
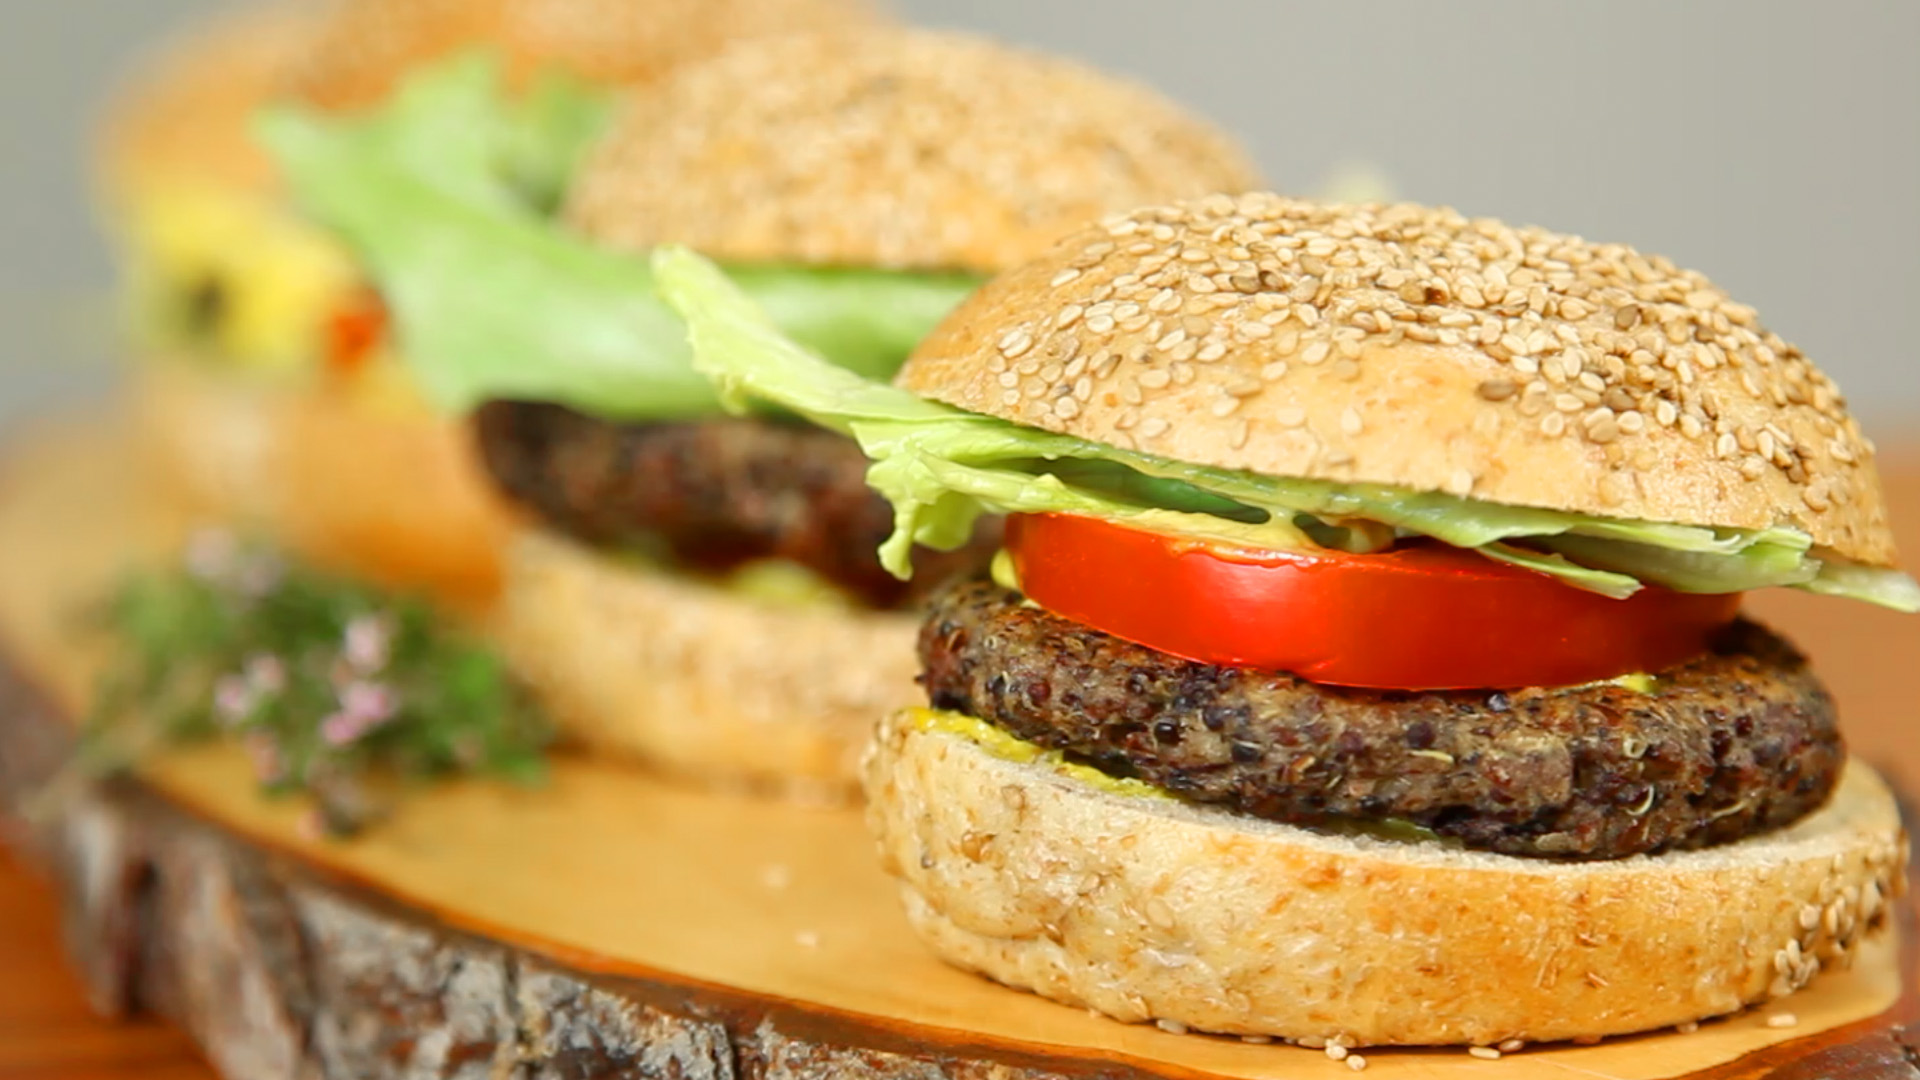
<point x="335" y="689"/>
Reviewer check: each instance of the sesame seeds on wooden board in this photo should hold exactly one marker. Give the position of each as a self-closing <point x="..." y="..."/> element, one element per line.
<point x="916" y="149"/>
<point x="1411" y="345"/>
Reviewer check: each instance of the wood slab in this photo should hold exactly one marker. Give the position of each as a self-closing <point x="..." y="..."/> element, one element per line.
<point x="608" y="924"/>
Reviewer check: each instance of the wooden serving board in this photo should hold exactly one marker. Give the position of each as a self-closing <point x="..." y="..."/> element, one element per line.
<point x="608" y="924"/>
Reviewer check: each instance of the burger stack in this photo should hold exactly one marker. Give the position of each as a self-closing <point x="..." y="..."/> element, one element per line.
<point x="1242" y="613"/>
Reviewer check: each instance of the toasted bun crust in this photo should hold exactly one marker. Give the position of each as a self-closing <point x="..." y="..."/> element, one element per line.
<point x="184" y="115"/>
<point x="891" y="148"/>
<point x="369" y="46"/>
<point x="1150" y="909"/>
<point x="1411" y="346"/>
<point x="394" y="494"/>
<point x="702" y="683"/>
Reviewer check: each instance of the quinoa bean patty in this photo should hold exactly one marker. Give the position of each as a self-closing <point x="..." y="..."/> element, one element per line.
<point x="715" y="493"/>
<point x="1736" y="742"/>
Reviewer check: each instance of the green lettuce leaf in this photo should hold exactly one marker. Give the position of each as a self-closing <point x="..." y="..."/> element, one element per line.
<point x="942" y="468"/>
<point x="444" y="199"/>
<point x="549" y="129"/>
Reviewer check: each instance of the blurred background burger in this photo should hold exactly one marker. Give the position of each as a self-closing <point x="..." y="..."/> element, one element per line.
<point x="701" y="590"/>
<point x="271" y="393"/>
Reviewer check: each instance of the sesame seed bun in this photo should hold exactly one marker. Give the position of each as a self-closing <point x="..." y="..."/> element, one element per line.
<point x="700" y="682"/>
<point x="369" y="46"/>
<point x="1412" y="346"/>
<point x="1152" y="909"/>
<point x="184" y="114"/>
<point x="891" y="148"/>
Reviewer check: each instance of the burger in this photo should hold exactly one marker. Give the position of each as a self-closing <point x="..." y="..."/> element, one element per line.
<point x="222" y="287"/>
<point x="273" y="396"/>
<point x="695" y="589"/>
<point x="1364" y="662"/>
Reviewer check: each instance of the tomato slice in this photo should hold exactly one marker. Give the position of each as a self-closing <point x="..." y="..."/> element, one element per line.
<point x="1419" y="616"/>
<point x="354" y="331"/>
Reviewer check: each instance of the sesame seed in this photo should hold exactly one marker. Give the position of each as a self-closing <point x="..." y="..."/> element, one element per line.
<point x="1350" y="421"/>
<point x="1356" y="1063"/>
<point x="1687" y="1028"/>
<point x="1242" y="430"/>
<point x="1782" y="1020"/>
<point x="1315" y="353"/>
<point x="1484" y="1053"/>
<point x="1512" y="1046"/>
<point x="1171" y="1027"/>
<point x="1336" y="1051"/>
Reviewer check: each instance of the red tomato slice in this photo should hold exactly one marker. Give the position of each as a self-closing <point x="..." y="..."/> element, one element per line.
<point x="1420" y="616"/>
<point x="354" y="331"/>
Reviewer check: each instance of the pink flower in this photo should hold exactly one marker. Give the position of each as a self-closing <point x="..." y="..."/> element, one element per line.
<point x="233" y="699"/>
<point x="364" y="706"/>
<point x="342" y="728"/>
<point x="210" y="554"/>
<point x="266" y="674"/>
<point x="368" y="643"/>
<point x="371" y="701"/>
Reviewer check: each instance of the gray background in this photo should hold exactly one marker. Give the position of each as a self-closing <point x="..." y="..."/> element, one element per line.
<point x="1773" y="144"/>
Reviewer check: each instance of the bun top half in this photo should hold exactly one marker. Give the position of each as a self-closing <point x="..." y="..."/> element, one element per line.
<point x="366" y="48"/>
<point x="1412" y="346"/>
<point x="891" y="148"/>
<point x="185" y="114"/>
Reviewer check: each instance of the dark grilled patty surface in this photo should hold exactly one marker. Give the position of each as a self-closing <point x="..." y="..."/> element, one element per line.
<point x="715" y="493"/>
<point x="1736" y="742"/>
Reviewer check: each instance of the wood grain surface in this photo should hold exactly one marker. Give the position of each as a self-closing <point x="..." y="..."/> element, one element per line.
<point x="44" y="1030"/>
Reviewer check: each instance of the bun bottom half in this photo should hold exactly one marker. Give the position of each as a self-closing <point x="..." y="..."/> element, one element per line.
<point x="702" y="683"/>
<point x="394" y="495"/>
<point x="1149" y="909"/>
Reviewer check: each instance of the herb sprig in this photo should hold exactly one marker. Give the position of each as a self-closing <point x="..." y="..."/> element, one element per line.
<point x="336" y="690"/>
